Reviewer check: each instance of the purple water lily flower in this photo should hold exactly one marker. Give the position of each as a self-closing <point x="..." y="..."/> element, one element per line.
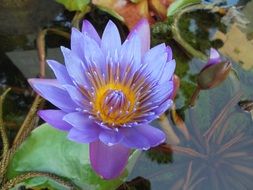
<point x="108" y="93"/>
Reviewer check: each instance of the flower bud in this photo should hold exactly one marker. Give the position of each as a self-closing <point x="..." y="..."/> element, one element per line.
<point x="214" y="72"/>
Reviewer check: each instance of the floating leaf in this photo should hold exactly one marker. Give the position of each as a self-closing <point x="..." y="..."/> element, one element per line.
<point x="48" y="150"/>
<point x="74" y="5"/>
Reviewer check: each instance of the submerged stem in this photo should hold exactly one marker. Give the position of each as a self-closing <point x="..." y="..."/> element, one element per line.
<point x="179" y="123"/>
<point x="187" y="151"/>
<point x="172" y="137"/>
<point x="220" y="118"/>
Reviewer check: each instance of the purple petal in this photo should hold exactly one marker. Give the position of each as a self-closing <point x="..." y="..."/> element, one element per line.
<point x="94" y="56"/>
<point x="163" y="107"/>
<point x="143" y="30"/>
<point x="82" y="136"/>
<point x="81" y="122"/>
<point x="90" y="31"/>
<point x="76" y="95"/>
<point x="60" y="72"/>
<point x="130" y="53"/>
<point x="55" y="119"/>
<point x="162" y="92"/>
<point x="54" y="93"/>
<point x="108" y="161"/>
<point x="142" y="136"/>
<point x="77" y="43"/>
<point x="156" y="111"/>
<point x="214" y="57"/>
<point x="110" y="39"/>
<point x="168" y="71"/>
<point x="74" y="67"/>
<point x="110" y="137"/>
<point x="155" y="59"/>
<point x="169" y="53"/>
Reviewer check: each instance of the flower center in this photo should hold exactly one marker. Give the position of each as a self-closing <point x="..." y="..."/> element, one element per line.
<point x="114" y="104"/>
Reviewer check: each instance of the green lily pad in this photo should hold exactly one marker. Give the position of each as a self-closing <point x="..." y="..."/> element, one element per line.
<point x="48" y="150"/>
<point x="74" y="5"/>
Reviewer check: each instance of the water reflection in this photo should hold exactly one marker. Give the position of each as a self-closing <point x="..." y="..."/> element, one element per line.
<point x="219" y="154"/>
<point x="218" y="157"/>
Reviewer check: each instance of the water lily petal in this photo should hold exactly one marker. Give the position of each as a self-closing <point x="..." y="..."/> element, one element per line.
<point x="161" y="93"/>
<point x="77" y="96"/>
<point x="169" y="53"/>
<point x="155" y="59"/>
<point x="130" y="53"/>
<point x="168" y="71"/>
<point x="75" y="67"/>
<point x="55" y="119"/>
<point x="214" y="57"/>
<point x="77" y="43"/>
<point x="163" y="107"/>
<point x="143" y="31"/>
<point x="111" y="41"/>
<point x="110" y="137"/>
<point x="108" y="161"/>
<point x="89" y="30"/>
<point x="142" y="136"/>
<point x="54" y="93"/>
<point x="60" y="72"/>
<point x="81" y="122"/>
<point x="94" y="57"/>
<point x="85" y="135"/>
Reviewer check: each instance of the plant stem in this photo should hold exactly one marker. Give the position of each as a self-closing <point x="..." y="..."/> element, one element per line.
<point x="5" y="153"/>
<point x="28" y="123"/>
<point x="78" y="16"/>
<point x="172" y="137"/>
<point x="13" y="182"/>
<point x="59" y="32"/>
<point x="194" y="97"/>
<point x="2" y="128"/>
<point x="179" y="123"/>
<point x="41" y="46"/>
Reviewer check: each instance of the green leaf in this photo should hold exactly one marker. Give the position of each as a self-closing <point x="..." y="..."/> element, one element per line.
<point x="111" y="12"/>
<point x="49" y="150"/>
<point x="74" y="5"/>
<point x="135" y="1"/>
<point x="179" y="4"/>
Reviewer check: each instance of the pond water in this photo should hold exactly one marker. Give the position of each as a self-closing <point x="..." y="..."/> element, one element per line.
<point x="214" y="148"/>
